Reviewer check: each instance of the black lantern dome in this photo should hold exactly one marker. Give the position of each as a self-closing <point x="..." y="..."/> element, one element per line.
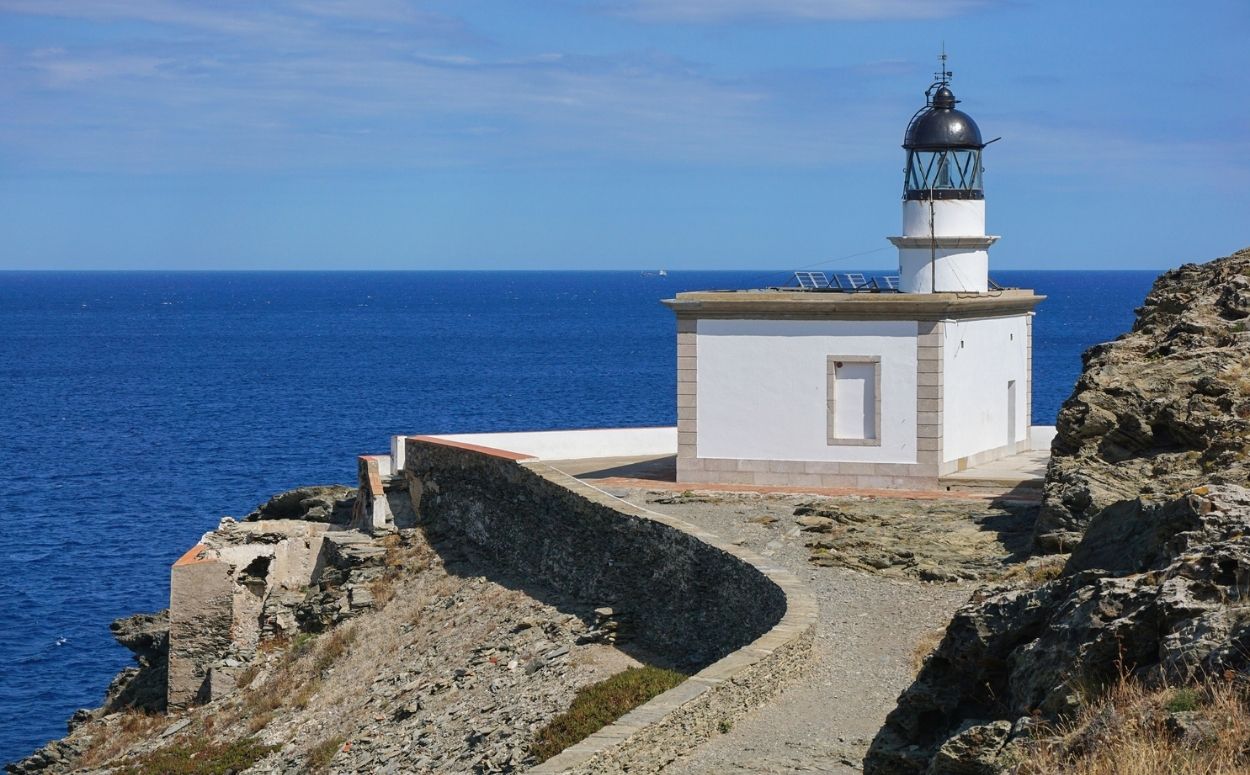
<point x="940" y="125"/>
<point x="943" y="149"/>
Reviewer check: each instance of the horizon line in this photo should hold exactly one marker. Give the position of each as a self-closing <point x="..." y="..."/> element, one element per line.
<point x="135" y="270"/>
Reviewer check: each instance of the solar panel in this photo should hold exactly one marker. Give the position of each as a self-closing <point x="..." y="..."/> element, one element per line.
<point x="812" y="280"/>
<point x="890" y="282"/>
<point x="856" y="280"/>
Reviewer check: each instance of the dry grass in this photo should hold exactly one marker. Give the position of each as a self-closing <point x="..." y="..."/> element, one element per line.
<point x="133" y="727"/>
<point x="925" y="647"/>
<point x="402" y="556"/>
<point x="321" y="754"/>
<point x="333" y="646"/>
<point x="1037" y="571"/>
<point x="246" y="676"/>
<point x="1132" y="730"/>
<point x="298" y="678"/>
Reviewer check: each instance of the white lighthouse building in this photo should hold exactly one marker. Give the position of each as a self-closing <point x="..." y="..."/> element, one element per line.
<point x="847" y="381"/>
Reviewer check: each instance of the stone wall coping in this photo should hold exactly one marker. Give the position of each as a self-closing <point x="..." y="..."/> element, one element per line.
<point x="490" y="451"/>
<point x="372" y="474"/>
<point x="196" y="554"/>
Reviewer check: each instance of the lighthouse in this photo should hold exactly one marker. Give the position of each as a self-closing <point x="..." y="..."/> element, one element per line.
<point x="846" y="381"/>
<point x="944" y="247"/>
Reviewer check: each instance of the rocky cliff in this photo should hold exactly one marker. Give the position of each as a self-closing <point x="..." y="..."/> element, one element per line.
<point x="1145" y="491"/>
<point x="1161" y="409"/>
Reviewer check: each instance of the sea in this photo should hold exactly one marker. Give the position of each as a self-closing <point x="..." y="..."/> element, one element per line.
<point x="137" y="408"/>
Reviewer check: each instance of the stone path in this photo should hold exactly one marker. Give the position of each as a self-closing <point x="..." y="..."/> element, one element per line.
<point x="865" y="641"/>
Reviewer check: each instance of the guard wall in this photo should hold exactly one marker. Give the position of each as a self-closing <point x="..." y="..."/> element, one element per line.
<point x="688" y="597"/>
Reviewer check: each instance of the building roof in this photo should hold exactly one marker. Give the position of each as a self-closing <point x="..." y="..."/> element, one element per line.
<point x="801" y="304"/>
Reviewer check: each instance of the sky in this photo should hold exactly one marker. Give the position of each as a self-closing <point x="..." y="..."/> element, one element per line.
<point x="607" y="134"/>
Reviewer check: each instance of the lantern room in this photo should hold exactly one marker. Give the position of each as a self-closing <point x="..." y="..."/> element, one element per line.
<point x="943" y="150"/>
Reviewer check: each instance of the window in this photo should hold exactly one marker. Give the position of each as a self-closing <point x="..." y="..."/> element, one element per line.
<point x="958" y="169"/>
<point x="854" y="400"/>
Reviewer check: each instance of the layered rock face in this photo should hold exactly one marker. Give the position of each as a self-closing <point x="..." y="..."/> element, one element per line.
<point x="1161" y="409"/>
<point x="1168" y="604"/>
<point x="1146" y="490"/>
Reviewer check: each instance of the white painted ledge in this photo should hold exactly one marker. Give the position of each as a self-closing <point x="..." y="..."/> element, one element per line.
<point x="572" y="445"/>
<point x="1040" y="436"/>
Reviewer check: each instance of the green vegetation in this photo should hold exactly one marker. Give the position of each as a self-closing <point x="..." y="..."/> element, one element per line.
<point x="1183" y="700"/>
<point x="598" y="705"/>
<point x="321" y="754"/>
<point x="200" y="756"/>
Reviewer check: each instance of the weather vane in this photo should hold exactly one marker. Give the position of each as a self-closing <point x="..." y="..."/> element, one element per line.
<point x="943" y="76"/>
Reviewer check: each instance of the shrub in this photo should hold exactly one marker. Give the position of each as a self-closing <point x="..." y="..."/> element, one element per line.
<point x="599" y="704"/>
<point x="1182" y="700"/>
<point x="321" y="754"/>
<point x="200" y="756"/>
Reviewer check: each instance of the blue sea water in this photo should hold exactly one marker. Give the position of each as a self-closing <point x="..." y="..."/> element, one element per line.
<point x="137" y="408"/>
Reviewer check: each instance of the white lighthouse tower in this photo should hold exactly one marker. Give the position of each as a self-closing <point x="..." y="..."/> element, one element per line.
<point x="944" y="247"/>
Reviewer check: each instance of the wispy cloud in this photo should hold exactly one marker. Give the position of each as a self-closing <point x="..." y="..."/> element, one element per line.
<point x="700" y="11"/>
<point x="323" y="83"/>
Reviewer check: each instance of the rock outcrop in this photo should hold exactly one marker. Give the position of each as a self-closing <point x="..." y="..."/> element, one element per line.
<point x="141" y="687"/>
<point x="1145" y="489"/>
<point x="331" y="503"/>
<point x="1163" y="408"/>
<point x="1171" y="606"/>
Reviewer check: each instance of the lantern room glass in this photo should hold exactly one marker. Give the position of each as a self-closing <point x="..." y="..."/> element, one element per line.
<point x="948" y="170"/>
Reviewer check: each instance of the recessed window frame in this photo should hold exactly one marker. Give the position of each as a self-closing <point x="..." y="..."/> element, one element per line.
<point x="831" y="376"/>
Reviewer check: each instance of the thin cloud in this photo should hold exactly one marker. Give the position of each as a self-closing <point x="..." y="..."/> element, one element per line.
<point x="716" y="11"/>
<point x="273" y="90"/>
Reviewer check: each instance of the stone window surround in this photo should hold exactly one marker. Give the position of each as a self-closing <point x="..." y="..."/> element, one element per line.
<point x="831" y="438"/>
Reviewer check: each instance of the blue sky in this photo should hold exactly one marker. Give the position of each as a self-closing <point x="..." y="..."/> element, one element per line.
<point x="600" y="134"/>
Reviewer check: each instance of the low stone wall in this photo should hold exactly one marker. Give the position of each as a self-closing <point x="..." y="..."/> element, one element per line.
<point x="744" y="624"/>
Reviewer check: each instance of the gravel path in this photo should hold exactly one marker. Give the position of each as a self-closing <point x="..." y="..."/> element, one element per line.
<point x="865" y="640"/>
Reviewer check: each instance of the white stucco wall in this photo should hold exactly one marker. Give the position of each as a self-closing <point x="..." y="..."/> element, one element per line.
<point x="980" y="358"/>
<point x="957" y="270"/>
<point x="951" y="218"/>
<point x="762" y="385"/>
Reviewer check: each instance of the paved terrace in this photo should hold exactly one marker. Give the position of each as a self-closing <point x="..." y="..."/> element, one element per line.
<point x="1018" y="476"/>
<point x="646" y="458"/>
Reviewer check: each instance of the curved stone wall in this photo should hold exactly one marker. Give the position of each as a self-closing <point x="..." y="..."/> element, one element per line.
<point x="742" y="623"/>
